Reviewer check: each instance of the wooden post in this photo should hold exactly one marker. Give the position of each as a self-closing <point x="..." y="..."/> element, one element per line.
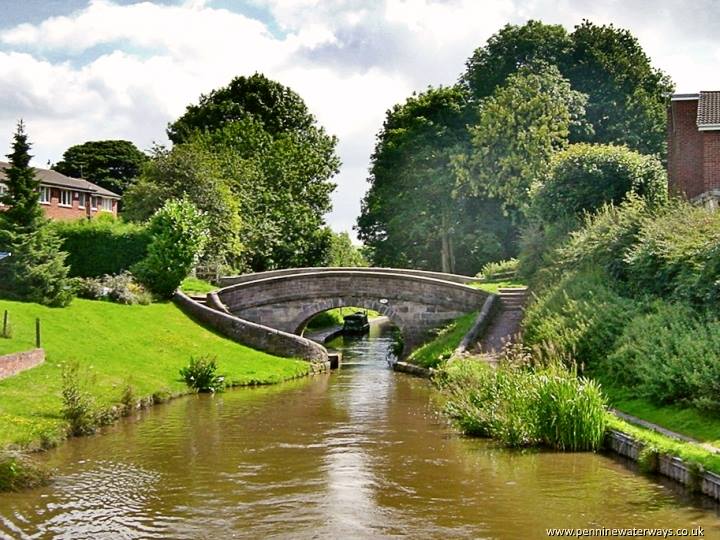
<point x="37" y="333"/>
<point x="5" y="324"/>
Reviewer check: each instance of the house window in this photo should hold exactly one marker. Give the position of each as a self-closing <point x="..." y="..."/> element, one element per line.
<point x="93" y="203"/>
<point x="107" y="204"/>
<point x="3" y="191"/>
<point x="81" y="200"/>
<point x="44" y="195"/>
<point x="66" y="198"/>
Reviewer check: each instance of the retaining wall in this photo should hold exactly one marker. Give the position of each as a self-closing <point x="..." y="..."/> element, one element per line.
<point x="257" y="336"/>
<point x="12" y="364"/>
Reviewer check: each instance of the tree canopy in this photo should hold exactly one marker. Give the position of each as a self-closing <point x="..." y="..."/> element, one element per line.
<point x="413" y="215"/>
<point x="626" y="95"/>
<point x="253" y="158"/>
<point x="113" y="164"/>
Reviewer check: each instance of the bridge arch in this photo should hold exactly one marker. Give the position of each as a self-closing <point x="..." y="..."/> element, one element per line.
<point x="415" y="301"/>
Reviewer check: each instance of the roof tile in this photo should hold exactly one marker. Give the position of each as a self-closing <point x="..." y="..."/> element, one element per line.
<point x="53" y="178"/>
<point x="709" y="109"/>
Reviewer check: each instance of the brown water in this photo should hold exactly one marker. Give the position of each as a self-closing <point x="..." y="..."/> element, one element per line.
<point x="361" y="453"/>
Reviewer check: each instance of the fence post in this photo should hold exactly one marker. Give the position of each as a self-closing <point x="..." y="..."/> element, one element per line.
<point x="5" y="325"/>
<point x="37" y="333"/>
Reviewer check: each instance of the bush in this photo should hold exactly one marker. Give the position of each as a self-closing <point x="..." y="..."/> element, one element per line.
<point x="78" y="406"/>
<point x="677" y="255"/>
<point x="583" y="177"/>
<point x="669" y="355"/>
<point x="499" y="269"/>
<point x="580" y="317"/>
<point x="102" y="246"/>
<point x="200" y="375"/>
<point x="19" y="472"/>
<point x="122" y="289"/>
<point x="179" y="234"/>
<point x="605" y="238"/>
<point x="524" y="406"/>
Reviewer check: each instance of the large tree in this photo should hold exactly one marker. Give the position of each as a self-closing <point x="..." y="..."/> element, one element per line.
<point x="113" y="164"/>
<point x="626" y="94"/>
<point x="519" y="127"/>
<point x="413" y="214"/>
<point x="36" y="269"/>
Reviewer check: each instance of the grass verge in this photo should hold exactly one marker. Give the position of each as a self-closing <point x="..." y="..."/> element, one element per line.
<point x="192" y="285"/>
<point x="686" y="421"/>
<point x="116" y="347"/>
<point x="494" y="286"/>
<point x="439" y="349"/>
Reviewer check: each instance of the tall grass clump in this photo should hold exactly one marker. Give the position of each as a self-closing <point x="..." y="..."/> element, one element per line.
<point x="18" y="472"/>
<point x="78" y="407"/>
<point x="499" y="269"/>
<point x="200" y="375"/>
<point x="521" y="405"/>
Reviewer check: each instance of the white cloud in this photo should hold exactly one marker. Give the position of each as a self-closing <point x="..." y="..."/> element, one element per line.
<point x="126" y="70"/>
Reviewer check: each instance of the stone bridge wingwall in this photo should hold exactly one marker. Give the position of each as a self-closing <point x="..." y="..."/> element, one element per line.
<point x="415" y="301"/>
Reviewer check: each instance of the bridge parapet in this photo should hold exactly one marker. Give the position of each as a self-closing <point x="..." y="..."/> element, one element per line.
<point x="415" y="301"/>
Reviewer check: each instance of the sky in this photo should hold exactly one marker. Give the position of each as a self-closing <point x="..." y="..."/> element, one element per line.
<point x="79" y="70"/>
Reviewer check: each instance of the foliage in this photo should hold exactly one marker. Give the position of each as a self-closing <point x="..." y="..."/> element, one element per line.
<point x="677" y="255"/>
<point x="669" y="355"/>
<point x="523" y="406"/>
<point x="583" y="177"/>
<point x="276" y="107"/>
<point x="100" y="246"/>
<point x="79" y="409"/>
<point x="537" y="102"/>
<point x="121" y="288"/>
<point x="200" y="375"/>
<point x="151" y="342"/>
<point x="343" y="253"/>
<point x="328" y="319"/>
<point x="440" y="348"/>
<point x="499" y="269"/>
<point x="18" y="472"/>
<point x="413" y="215"/>
<point x="626" y="95"/>
<point x="114" y="164"/>
<point x="179" y="233"/>
<point x="193" y="171"/>
<point x="580" y="316"/>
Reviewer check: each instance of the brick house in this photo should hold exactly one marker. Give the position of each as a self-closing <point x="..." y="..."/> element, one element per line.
<point x="62" y="197"/>
<point x="694" y="147"/>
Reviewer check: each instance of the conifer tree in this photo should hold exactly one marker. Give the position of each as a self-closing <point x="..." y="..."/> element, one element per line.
<point x="36" y="269"/>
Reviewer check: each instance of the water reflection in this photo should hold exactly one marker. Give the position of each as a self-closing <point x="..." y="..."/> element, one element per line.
<point x="361" y="453"/>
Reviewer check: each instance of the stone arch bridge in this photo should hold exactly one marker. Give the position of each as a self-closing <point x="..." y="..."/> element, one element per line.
<point x="416" y="301"/>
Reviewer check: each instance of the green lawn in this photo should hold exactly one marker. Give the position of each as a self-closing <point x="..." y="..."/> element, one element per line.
<point x="436" y="351"/>
<point x="687" y="421"/>
<point x="114" y="345"/>
<point x="193" y="285"/>
<point x="493" y="286"/>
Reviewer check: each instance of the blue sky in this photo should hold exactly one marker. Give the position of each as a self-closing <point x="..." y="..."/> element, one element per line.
<point x="79" y="70"/>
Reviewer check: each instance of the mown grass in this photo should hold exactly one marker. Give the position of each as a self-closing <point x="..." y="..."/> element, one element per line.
<point x="194" y="285"/>
<point x="439" y="349"/>
<point x="704" y="427"/>
<point x="494" y="286"/>
<point x="334" y="317"/>
<point x="115" y="345"/>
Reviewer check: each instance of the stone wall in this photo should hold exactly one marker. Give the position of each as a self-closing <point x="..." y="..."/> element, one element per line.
<point x="254" y="335"/>
<point x="12" y="364"/>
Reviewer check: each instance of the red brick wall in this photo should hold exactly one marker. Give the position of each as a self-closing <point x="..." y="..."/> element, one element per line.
<point x="11" y="364"/>
<point x="685" y="149"/>
<point x="53" y="210"/>
<point x="711" y="159"/>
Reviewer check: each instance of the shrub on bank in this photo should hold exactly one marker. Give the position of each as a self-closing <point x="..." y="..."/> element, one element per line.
<point x="19" y="472"/>
<point x="579" y="317"/>
<point x="669" y="355"/>
<point x="200" y="375"/>
<point x="524" y="406"/>
<point x="122" y="289"/>
<point x="101" y="246"/>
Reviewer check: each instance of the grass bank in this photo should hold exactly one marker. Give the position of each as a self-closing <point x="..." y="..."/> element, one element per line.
<point x="438" y="350"/>
<point x="494" y="286"/>
<point x="115" y="346"/>
<point x="192" y="285"/>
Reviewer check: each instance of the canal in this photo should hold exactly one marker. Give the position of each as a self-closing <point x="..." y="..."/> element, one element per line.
<point x="360" y="453"/>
